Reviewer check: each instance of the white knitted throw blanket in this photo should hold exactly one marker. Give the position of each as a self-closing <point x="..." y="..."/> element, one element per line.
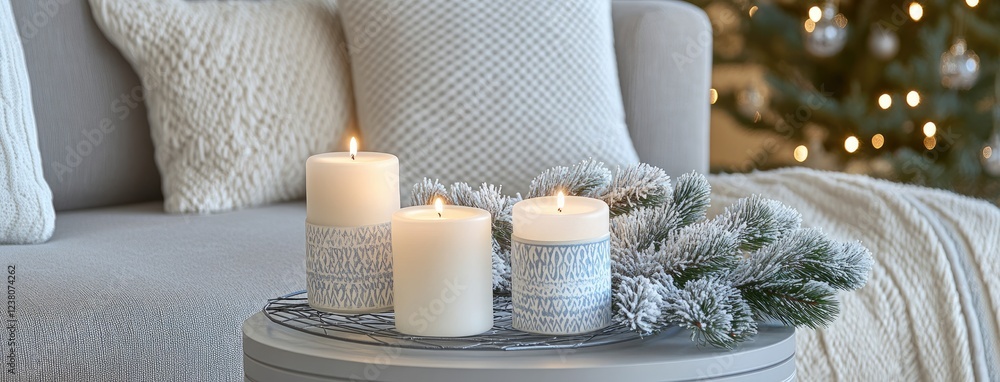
<point x="930" y="310"/>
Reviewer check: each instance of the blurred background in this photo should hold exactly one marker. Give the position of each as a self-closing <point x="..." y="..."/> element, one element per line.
<point x="900" y="90"/>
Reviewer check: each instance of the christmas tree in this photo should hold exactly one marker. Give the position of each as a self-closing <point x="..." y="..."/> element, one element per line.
<point x="901" y="90"/>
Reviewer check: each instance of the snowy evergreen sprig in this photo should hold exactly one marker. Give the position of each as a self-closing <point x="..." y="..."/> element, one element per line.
<point x="588" y="178"/>
<point x="759" y="222"/>
<point x="692" y="197"/>
<point x="714" y="312"/>
<point x="425" y="192"/>
<point x="673" y="267"/>
<point x="637" y="186"/>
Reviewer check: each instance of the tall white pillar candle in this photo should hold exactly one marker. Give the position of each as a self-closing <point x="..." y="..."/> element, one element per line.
<point x="350" y="198"/>
<point x="443" y="279"/>
<point x="561" y="265"/>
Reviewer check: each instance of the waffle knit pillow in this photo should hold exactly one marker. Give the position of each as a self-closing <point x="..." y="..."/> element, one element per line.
<point x="26" y="213"/>
<point x="486" y="90"/>
<point x="239" y="93"/>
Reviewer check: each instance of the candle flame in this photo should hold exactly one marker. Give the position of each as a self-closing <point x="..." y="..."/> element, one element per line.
<point x="439" y="206"/>
<point x="560" y="201"/>
<point x="354" y="147"/>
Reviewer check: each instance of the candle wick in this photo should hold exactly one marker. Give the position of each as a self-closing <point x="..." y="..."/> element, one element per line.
<point x="560" y="209"/>
<point x="352" y="156"/>
<point x="439" y="214"/>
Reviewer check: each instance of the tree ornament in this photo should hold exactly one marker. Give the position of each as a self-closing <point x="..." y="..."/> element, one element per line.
<point x="959" y="66"/>
<point x="826" y="36"/>
<point x="750" y="101"/>
<point x="883" y="43"/>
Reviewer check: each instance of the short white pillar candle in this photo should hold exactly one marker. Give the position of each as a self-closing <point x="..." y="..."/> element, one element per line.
<point x="442" y="276"/>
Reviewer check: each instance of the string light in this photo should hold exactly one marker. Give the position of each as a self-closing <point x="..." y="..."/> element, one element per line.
<point x="815" y="13"/>
<point x="753" y="10"/>
<point x="987" y="152"/>
<point x="713" y="95"/>
<point x="851" y="144"/>
<point x="810" y="26"/>
<point x="877" y="141"/>
<point x="930" y="129"/>
<point x="972" y="3"/>
<point x="801" y="153"/>
<point x="930" y="143"/>
<point x="913" y="98"/>
<point x="885" y="101"/>
<point x="916" y="11"/>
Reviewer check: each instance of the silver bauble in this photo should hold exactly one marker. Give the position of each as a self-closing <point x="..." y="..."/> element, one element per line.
<point x="826" y="37"/>
<point x="750" y="101"/>
<point x="883" y="43"/>
<point x="959" y="66"/>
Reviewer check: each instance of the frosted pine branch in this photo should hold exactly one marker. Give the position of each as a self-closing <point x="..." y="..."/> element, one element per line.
<point x="588" y="178"/>
<point x="715" y="313"/>
<point x="461" y="194"/>
<point x="759" y="221"/>
<point x="851" y="267"/>
<point x="642" y="228"/>
<point x="813" y="304"/>
<point x="426" y="191"/>
<point x="627" y="262"/>
<point x="501" y="268"/>
<point x="777" y="263"/>
<point x="692" y="196"/>
<point x="639" y="303"/>
<point x="638" y="186"/>
<point x="698" y="250"/>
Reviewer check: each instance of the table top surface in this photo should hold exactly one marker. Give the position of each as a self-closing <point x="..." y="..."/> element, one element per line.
<point x="278" y="346"/>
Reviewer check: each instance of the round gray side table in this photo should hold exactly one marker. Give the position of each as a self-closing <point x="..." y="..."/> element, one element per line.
<point x="272" y="352"/>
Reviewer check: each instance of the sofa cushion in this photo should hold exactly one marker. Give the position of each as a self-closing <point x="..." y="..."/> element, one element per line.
<point x="487" y="91"/>
<point x="132" y="294"/>
<point x="26" y="213"/>
<point x="240" y="93"/>
<point x="89" y="108"/>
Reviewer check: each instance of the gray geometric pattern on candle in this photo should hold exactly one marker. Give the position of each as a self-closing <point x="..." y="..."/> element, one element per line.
<point x="349" y="270"/>
<point x="561" y="289"/>
<point x="486" y="91"/>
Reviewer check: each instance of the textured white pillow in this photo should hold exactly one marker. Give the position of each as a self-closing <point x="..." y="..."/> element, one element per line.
<point x="486" y="90"/>
<point x="26" y="213"/>
<point x="239" y="93"/>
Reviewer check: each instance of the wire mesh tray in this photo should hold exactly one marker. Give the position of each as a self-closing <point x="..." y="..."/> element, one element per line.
<point x="293" y="311"/>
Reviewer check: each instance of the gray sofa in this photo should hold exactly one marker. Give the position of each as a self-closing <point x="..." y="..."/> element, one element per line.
<point x="124" y="291"/>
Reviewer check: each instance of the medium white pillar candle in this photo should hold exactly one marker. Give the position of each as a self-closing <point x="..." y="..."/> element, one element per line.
<point x="342" y="191"/>
<point x="542" y="219"/>
<point x="442" y="271"/>
<point x="560" y="265"/>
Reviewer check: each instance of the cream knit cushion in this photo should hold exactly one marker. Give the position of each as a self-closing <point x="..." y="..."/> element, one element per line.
<point x="486" y="90"/>
<point x="239" y="94"/>
<point x="26" y="213"/>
